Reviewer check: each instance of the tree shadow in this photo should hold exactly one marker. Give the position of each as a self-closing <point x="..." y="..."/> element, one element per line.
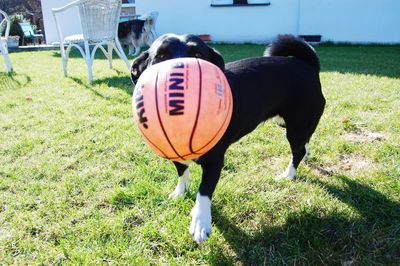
<point x="314" y="236"/>
<point x="13" y="80"/>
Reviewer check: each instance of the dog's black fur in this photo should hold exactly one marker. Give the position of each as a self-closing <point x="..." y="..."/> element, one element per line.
<point x="284" y="83"/>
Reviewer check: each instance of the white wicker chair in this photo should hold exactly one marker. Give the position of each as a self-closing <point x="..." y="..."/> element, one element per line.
<point x="99" y="19"/>
<point x="3" y="39"/>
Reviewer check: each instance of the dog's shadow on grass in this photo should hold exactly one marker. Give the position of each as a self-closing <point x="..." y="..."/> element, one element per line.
<point x="314" y="237"/>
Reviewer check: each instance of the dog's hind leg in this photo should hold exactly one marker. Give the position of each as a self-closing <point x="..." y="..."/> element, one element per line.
<point x="183" y="182"/>
<point x="297" y="156"/>
<point x="298" y="133"/>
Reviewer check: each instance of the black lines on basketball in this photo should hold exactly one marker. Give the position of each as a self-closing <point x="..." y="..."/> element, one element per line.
<point x="152" y="143"/>
<point x="198" y="109"/>
<point x="222" y="127"/>
<point x="159" y="119"/>
<point x="219" y="130"/>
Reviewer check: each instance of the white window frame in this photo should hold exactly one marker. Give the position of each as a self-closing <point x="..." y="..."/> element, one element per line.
<point x="221" y="2"/>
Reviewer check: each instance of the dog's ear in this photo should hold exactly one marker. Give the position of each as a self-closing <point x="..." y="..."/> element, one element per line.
<point x="217" y="59"/>
<point x="139" y="65"/>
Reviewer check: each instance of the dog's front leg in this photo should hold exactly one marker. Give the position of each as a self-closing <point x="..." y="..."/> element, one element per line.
<point x="131" y="48"/>
<point x="200" y="227"/>
<point x="183" y="182"/>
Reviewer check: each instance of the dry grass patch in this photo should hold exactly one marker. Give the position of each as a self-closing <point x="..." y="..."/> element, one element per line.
<point x="362" y="135"/>
<point x="346" y="164"/>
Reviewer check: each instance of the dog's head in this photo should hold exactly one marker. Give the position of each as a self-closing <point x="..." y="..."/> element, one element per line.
<point x="170" y="46"/>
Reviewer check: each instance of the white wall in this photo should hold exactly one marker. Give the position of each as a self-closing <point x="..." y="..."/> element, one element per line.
<point x="230" y="24"/>
<point x="69" y="20"/>
<point x="336" y="20"/>
<point x="360" y="21"/>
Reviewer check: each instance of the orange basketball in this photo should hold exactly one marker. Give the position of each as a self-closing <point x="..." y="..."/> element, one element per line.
<point x="182" y="107"/>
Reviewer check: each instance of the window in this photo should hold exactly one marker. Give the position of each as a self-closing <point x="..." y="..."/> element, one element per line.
<point x="240" y="2"/>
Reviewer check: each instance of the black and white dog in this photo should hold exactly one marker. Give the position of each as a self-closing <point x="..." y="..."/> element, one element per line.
<point x="135" y="34"/>
<point x="284" y="83"/>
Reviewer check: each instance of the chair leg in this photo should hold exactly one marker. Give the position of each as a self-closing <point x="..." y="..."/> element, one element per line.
<point x="7" y="60"/>
<point x="121" y="54"/>
<point x="65" y="63"/>
<point x="8" y="63"/>
<point x="88" y="61"/>
<point x="64" y="58"/>
<point x="110" y="51"/>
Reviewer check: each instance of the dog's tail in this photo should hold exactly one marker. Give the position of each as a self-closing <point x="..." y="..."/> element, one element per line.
<point x="289" y="45"/>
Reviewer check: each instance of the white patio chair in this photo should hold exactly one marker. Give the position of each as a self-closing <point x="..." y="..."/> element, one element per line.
<point x="5" y="23"/>
<point x="99" y="19"/>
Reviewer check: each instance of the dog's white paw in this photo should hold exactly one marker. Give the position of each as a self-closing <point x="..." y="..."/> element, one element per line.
<point x="200" y="227"/>
<point x="284" y="176"/>
<point x="289" y="174"/>
<point x="179" y="191"/>
<point x="182" y="186"/>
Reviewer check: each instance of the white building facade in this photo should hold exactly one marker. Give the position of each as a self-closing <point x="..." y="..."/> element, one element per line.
<point x="355" y="21"/>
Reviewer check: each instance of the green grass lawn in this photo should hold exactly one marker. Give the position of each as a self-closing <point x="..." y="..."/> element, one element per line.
<point x="78" y="185"/>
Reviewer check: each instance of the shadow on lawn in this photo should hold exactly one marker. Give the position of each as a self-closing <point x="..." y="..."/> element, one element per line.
<point x="13" y="80"/>
<point x="120" y="82"/>
<point x="314" y="237"/>
<point x="98" y="55"/>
